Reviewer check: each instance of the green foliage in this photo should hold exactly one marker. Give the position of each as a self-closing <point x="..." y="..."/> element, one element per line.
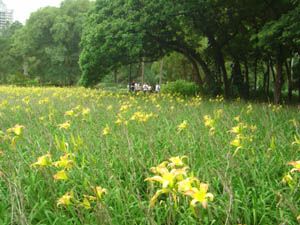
<point x="21" y="80"/>
<point x="49" y="42"/>
<point x="180" y="87"/>
<point x="9" y="62"/>
<point x="247" y="188"/>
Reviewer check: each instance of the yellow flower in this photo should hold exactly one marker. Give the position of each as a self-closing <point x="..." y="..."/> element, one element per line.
<point x="219" y="113"/>
<point x="182" y="126"/>
<point x="177" y="161"/>
<point x="86" y="111"/>
<point x="17" y="129"/>
<point x="69" y="113"/>
<point x="43" y="161"/>
<point x="66" y="199"/>
<point x="168" y="178"/>
<point x="124" y="107"/>
<point x="61" y="175"/>
<point x="64" y="162"/>
<point x="99" y="191"/>
<point x="174" y="180"/>
<point x="106" y="130"/>
<point x="141" y="116"/>
<point x="26" y="100"/>
<point x="249" y="109"/>
<point x="237" y="118"/>
<point x="187" y="184"/>
<point x="66" y="125"/>
<point x="236" y="142"/>
<point x="86" y="202"/>
<point x="200" y="195"/>
<point x="296" y="165"/>
<point x="156" y="195"/>
<point x="160" y="169"/>
<point x="208" y="121"/>
<point x="118" y="121"/>
<point x="287" y="179"/>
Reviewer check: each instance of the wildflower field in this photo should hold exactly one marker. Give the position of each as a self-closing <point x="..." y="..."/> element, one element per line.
<point x="81" y="156"/>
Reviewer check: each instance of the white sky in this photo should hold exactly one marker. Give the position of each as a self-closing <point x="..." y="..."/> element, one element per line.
<point x="23" y="8"/>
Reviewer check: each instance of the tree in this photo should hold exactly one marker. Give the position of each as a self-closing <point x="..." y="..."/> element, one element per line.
<point x="9" y="63"/>
<point x="49" y="42"/>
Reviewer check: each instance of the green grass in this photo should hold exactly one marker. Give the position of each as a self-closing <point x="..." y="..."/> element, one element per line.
<point x="247" y="187"/>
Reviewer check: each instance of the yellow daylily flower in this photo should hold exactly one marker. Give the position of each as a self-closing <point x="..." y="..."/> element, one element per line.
<point x="66" y="199"/>
<point x="43" y="161"/>
<point x="61" y="175"/>
<point x="249" y="109"/>
<point x="86" y="202"/>
<point x="85" y="111"/>
<point x="156" y="195"/>
<point x="65" y="162"/>
<point x="208" y="121"/>
<point x="66" y="125"/>
<point x="200" y="195"/>
<point x="177" y="161"/>
<point x="99" y="191"/>
<point x="106" y="130"/>
<point x="187" y="184"/>
<point x="287" y="179"/>
<point x="160" y="169"/>
<point x="69" y="113"/>
<point x="182" y="126"/>
<point x="296" y="165"/>
<point x="17" y="129"/>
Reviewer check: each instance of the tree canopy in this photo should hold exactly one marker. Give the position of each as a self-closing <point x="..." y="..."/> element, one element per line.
<point x="237" y="48"/>
<point x="226" y="41"/>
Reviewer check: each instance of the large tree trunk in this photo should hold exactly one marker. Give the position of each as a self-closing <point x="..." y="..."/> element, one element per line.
<point x="266" y="77"/>
<point x="208" y="78"/>
<point x="289" y="78"/>
<point x="272" y="70"/>
<point x="237" y="78"/>
<point x="161" y="71"/>
<point x="197" y="76"/>
<point x="116" y="75"/>
<point x="247" y="83"/>
<point x="143" y="71"/>
<point x="221" y="63"/>
<point x="255" y="74"/>
<point x="278" y="78"/>
<point x="130" y="74"/>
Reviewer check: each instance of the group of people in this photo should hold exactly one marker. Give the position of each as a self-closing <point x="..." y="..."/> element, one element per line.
<point x="135" y="87"/>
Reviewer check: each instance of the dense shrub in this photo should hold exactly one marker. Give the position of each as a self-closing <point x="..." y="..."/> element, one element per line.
<point x="181" y="87"/>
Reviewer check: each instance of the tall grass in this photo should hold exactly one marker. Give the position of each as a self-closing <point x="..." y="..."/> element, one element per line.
<point x="247" y="186"/>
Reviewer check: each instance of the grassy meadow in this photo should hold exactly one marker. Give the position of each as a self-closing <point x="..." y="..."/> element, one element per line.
<point x="82" y="156"/>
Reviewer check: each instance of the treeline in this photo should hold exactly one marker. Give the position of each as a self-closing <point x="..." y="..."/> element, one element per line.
<point x="243" y="48"/>
<point x="235" y="47"/>
<point x="46" y="50"/>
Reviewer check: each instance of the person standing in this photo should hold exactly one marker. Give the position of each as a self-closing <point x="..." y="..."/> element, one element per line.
<point x="157" y="88"/>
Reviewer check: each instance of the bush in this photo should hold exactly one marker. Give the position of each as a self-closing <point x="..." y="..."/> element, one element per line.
<point x="21" y="80"/>
<point x="181" y="87"/>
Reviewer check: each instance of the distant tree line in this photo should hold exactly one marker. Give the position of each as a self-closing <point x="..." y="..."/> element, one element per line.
<point x="244" y="48"/>
<point x="234" y="47"/>
<point x="47" y="48"/>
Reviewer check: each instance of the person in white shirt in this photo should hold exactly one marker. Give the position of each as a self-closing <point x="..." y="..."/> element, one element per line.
<point x="157" y="88"/>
